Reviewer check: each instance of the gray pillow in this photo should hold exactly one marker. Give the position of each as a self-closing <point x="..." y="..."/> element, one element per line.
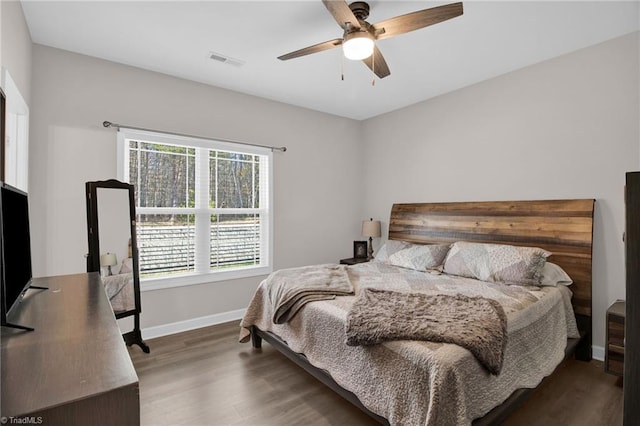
<point x="496" y="262"/>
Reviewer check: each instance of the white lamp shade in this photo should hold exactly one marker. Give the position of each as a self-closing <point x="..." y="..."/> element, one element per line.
<point x="371" y="228"/>
<point x="108" y="259"/>
<point x="358" y="45"/>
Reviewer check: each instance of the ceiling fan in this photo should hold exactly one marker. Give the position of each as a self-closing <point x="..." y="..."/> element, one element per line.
<point x="358" y="40"/>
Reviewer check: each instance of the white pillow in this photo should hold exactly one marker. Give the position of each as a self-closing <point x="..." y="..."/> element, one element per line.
<point x="127" y="266"/>
<point x="389" y="248"/>
<point x="498" y="263"/>
<point x="553" y="275"/>
<point x="420" y="257"/>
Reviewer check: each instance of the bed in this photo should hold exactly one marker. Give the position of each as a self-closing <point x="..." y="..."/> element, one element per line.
<point x="120" y="288"/>
<point x="429" y="383"/>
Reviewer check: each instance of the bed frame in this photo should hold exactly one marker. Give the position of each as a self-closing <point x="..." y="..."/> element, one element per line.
<point x="563" y="227"/>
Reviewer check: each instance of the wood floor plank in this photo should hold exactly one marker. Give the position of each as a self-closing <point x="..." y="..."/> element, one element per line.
<point x="205" y="377"/>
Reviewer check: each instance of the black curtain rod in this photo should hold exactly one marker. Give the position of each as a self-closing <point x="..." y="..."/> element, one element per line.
<point x="123" y="126"/>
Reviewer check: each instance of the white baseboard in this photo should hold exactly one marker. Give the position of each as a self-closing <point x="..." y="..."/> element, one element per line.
<point x="191" y="324"/>
<point x="597" y="352"/>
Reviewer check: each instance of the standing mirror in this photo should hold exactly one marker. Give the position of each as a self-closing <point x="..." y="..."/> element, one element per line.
<point x="113" y="251"/>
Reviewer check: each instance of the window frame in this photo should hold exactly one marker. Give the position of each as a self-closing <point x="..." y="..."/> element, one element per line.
<point x="266" y="212"/>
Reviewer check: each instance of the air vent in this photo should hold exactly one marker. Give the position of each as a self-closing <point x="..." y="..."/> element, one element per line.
<point x="219" y="57"/>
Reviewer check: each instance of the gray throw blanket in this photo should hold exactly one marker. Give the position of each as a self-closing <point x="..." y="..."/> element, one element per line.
<point x="475" y="323"/>
<point x="290" y="289"/>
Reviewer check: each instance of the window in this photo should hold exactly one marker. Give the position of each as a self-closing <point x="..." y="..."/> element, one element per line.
<point x="203" y="207"/>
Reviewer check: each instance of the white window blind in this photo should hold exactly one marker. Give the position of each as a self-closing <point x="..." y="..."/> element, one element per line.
<point x="203" y="207"/>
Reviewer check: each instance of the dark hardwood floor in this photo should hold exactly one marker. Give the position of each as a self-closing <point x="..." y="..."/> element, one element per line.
<point x="205" y="377"/>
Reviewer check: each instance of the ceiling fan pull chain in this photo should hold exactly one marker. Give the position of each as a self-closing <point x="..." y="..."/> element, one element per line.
<point x="342" y="67"/>
<point x="373" y="68"/>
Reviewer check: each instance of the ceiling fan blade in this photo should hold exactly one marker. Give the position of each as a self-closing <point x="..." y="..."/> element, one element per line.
<point x="312" y="49"/>
<point x="416" y="20"/>
<point x="342" y="14"/>
<point x="377" y="60"/>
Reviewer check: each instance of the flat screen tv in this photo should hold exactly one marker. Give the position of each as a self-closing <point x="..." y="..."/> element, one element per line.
<point x="15" y="249"/>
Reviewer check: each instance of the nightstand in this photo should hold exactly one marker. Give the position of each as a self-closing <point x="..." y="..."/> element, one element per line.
<point x="614" y="351"/>
<point x="353" y="260"/>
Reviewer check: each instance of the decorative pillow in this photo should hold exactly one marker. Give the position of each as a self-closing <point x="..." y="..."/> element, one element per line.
<point x="553" y="275"/>
<point x="127" y="266"/>
<point x="420" y="257"/>
<point x="388" y="249"/>
<point x="496" y="262"/>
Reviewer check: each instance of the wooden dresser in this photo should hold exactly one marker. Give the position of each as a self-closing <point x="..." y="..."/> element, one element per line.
<point x="74" y="369"/>
<point x="614" y="352"/>
<point x="632" y="297"/>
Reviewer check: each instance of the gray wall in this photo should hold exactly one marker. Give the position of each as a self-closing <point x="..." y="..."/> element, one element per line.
<point x="15" y="46"/>
<point x="318" y="180"/>
<point x="564" y="128"/>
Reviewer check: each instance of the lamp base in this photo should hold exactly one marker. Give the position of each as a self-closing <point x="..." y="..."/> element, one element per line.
<point x="370" y="251"/>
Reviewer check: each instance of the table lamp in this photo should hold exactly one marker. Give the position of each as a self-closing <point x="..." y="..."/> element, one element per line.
<point x="371" y="228"/>
<point x="108" y="260"/>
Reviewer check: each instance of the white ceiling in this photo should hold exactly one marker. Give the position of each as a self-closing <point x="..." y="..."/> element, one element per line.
<point x="176" y="37"/>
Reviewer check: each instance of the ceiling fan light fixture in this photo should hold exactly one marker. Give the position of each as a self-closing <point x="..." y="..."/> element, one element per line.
<point x="358" y="45"/>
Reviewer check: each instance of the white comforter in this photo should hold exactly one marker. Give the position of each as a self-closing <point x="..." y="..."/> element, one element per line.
<point x="119" y="289"/>
<point x="425" y="383"/>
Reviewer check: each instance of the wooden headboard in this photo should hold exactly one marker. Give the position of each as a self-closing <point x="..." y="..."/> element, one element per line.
<point x="563" y="227"/>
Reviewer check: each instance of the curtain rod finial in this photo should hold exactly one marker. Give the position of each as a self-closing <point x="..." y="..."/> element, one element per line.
<point x="106" y="123"/>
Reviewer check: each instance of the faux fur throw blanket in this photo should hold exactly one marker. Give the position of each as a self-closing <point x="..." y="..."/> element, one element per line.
<point x="475" y="323"/>
<point x="290" y="289"/>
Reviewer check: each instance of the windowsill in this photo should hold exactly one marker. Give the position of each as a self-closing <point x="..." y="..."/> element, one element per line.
<point x="150" y="284"/>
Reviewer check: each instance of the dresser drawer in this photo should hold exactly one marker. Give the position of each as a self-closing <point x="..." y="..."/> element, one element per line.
<point x="616" y="330"/>
<point x="614" y="349"/>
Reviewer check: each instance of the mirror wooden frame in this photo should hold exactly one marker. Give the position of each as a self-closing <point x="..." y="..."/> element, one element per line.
<point x="3" y="119"/>
<point x="93" y="257"/>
